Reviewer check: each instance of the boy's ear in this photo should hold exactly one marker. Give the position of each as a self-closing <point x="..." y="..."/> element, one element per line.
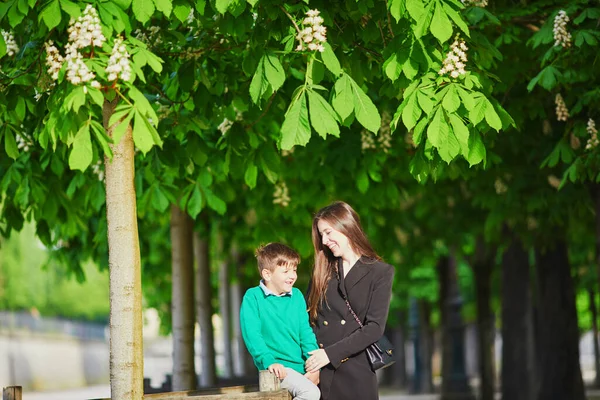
<point x="266" y="274"/>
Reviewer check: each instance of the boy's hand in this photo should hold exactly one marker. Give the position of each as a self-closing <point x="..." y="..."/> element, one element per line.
<point x="278" y="370"/>
<point x="314" y="377"/>
<point x="317" y="360"/>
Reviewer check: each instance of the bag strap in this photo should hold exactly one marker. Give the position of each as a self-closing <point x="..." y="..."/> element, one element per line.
<point x="337" y="271"/>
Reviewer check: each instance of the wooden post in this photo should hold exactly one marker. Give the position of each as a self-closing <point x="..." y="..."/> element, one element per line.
<point x="267" y="381"/>
<point x="13" y="393"/>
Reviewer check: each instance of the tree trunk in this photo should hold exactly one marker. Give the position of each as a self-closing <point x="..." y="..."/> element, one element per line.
<point x="239" y="348"/>
<point x="482" y="270"/>
<point x="126" y="349"/>
<point x="426" y="347"/>
<point x="595" y="188"/>
<point x="594" y="312"/>
<point x="208" y="376"/>
<point x="559" y="333"/>
<point x="225" y="311"/>
<point x="518" y="359"/>
<point x="398" y="369"/>
<point x="455" y="383"/>
<point x="182" y="300"/>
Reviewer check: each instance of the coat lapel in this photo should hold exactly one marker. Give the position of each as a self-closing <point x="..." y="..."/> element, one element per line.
<point x="355" y="275"/>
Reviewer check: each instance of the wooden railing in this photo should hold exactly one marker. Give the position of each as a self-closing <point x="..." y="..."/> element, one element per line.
<point x="268" y="389"/>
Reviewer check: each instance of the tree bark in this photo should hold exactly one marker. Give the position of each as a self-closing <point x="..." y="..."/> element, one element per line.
<point x="594" y="312"/>
<point x="482" y="269"/>
<point x="426" y="347"/>
<point x="182" y="300"/>
<point x="204" y="309"/>
<point x="398" y="369"/>
<point x="225" y="311"/>
<point x="126" y="348"/>
<point x="560" y="375"/>
<point x="518" y="361"/>
<point x="595" y="189"/>
<point x="239" y="348"/>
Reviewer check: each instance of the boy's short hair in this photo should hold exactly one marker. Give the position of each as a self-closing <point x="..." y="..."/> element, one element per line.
<point x="273" y="255"/>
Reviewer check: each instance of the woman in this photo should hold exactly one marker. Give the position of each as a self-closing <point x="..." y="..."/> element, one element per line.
<point x="346" y="267"/>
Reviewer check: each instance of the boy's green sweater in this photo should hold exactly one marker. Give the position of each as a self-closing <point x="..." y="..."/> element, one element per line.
<point x="276" y="329"/>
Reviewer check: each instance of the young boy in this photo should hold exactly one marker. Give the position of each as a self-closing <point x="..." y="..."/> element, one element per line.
<point x="275" y="324"/>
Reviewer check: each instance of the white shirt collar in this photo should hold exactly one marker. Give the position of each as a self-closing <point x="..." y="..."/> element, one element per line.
<point x="269" y="292"/>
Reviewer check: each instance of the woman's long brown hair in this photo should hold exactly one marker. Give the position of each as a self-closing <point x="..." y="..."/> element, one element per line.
<point x="344" y="219"/>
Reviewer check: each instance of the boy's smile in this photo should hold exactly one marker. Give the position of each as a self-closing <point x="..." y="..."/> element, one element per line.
<point x="281" y="280"/>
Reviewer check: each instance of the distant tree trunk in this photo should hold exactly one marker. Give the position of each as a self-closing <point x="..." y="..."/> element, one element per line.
<point x="594" y="312"/>
<point x="455" y="383"/>
<point x="239" y="349"/>
<point x="182" y="300"/>
<point x="518" y="360"/>
<point x="126" y="350"/>
<point x="398" y="378"/>
<point x="483" y="266"/>
<point x="559" y="333"/>
<point x="595" y="189"/>
<point x="426" y="347"/>
<point x="204" y="309"/>
<point x="225" y="311"/>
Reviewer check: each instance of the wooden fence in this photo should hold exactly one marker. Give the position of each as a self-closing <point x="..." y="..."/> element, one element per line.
<point x="268" y="389"/>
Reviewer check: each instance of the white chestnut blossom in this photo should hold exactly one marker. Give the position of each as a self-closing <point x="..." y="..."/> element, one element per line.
<point x="553" y="181"/>
<point x="225" y="126"/>
<point x="24" y="142"/>
<point x="98" y="170"/>
<point x="384" y="139"/>
<point x="500" y="186"/>
<point x="150" y="37"/>
<point x="592" y="142"/>
<point x="562" y="112"/>
<point x="561" y="36"/>
<point x="118" y="63"/>
<point x="54" y="60"/>
<point x="281" y="195"/>
<point x="313" y="34"/>
<point x="86" y="30"/>
<point x="475" y="3"/>
<point x="367" y="141"/>
<point x="456" y="59"/>
<point x="77" y="71"/>
<point x="11" y="45"/>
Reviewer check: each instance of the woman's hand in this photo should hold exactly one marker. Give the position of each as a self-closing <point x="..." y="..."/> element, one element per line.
<point x="317" y="360"/>
<point x="314" y="377"/>
<point x="278" y="370"/>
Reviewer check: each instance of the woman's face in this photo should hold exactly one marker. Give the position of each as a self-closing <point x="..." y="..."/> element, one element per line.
<point x="336" y="241"/>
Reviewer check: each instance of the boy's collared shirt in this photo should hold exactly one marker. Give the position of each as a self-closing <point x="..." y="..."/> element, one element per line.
<point x="269" y="292"/>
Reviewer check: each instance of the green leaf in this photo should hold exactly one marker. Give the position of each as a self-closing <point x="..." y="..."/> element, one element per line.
<point x="343" y="99"/>
<point x="160" y="202"/>
<point x="10" y="145"/>
<point x="392" y="67"/>
<point x="418" y="131"/>
<point x="194" y="205"/>
<point x="51" y="14"/>
<point x="451" y="101"/>
<point x="142" y="104"/>
<point x="441" y="27"/>
<point x="102" y="138"/>
<point x="200" y="6"/>
<point x="412" y="112"/>
<point x="461" y="132"/>
<point x="437" y="131"/>
<point x="252" y="2"/>
<point x="270" y="163"/>
<point x="364" y="109"/>
<point x="415" y="9"/>
<point x="70" y="8"/>
<point x="142" y="10"/>
<point x="259" y="84"/>
<point x="142" y="137"/>
<point x="477" y="114"/>
<point x="492" y="117"/>
<point x="20" y="109"/>
<point x="322" y="115"/>
<point x="424" y="22"/>
<point x="476" y="149"/>
<point x="330" y="60"/>
<point x="120" y="129"/>
<point x="215" y="202"/>
<point x="397" y="9"/>
<point x="295" y="129"/>
<point x="251" y="175"/>
<point x="81" y="154"/>
<point x="222" y="5"/>
<point x="362" y="181"/>
<point x="164" y="6"/>
<point x="96" y="95"/>
<point x="181" y="11"/>
<point x="2" y="47"/>
<point x="273" y="71"/>
<point x="457" y="18"/>
<point x="546" y="78"/>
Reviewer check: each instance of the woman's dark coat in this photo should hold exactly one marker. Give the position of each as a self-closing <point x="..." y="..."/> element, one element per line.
<point x="368" y="287"/>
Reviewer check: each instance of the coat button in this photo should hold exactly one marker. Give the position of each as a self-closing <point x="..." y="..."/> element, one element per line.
<point x="325" y="323"/>
<point x="321" y="345"/>
<point x="343" y="322"/>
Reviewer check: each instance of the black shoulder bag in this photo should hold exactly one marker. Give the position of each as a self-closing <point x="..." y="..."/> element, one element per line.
<point x="380" y="353"/>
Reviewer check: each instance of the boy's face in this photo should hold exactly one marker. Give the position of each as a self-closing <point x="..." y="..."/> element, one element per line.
<point x="281" y="280"/>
